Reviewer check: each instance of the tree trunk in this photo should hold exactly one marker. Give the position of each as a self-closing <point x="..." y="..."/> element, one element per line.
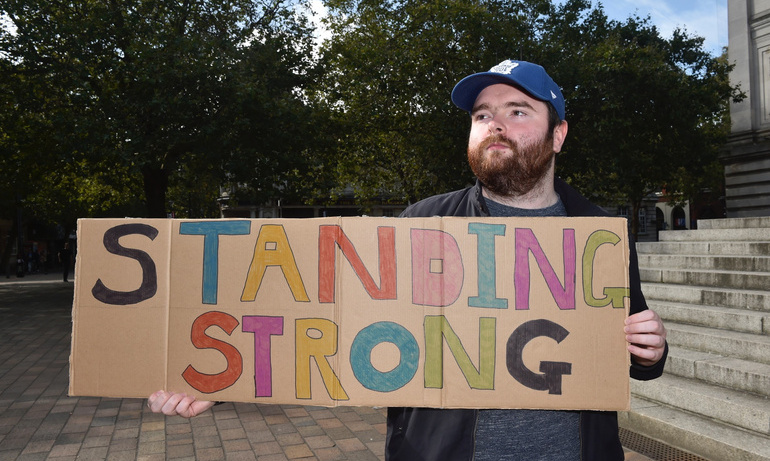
<point x="12" y="237"/>
<point x="635" y="205"/>
<point x="155" y="187"/>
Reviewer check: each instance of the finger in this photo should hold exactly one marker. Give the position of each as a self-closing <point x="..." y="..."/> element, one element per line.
<point x="646" y="339"/>
<point x="190" y="407"/>
<point x="156" y="401"/>
<point x="643" y="316"/>
<point x="650" y="355"/>
<point x="646" y="321"/>
<point x="169" y="408"/>
<point x="199" y="406"/>
<point x="650" y="327"/>
<point x="636" y="327"/>
<point x="183" y="408"/>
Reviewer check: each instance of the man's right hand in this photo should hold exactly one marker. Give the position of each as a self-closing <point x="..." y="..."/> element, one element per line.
<point x="172" y="404"/>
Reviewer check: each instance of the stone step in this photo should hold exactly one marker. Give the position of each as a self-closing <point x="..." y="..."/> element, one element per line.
<point x="711" y="262"/>
<point x="705" y="248"/>
<point x="716" y="235"/>
<point x="712" y="368"/>
<point x="757" y="300"/>
<point x="746" y="346"/>
<point x="734" y="223"/>
<point x="741" y="409"/>
<point x="696" y="434"/>
<point x="712" y="288"/>
<point x="740" y="280"/>
<point x="723" y="318"/>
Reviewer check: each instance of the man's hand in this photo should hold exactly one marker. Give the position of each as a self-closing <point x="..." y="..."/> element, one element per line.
<point x="171" y="404"/>
<point x="646" y="337"/>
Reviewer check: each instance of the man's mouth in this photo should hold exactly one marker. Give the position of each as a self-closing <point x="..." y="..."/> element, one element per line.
<point x="498" y="146"/>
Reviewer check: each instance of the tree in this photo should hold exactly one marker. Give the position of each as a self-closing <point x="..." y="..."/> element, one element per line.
<point x="37" y="183"/>
<point x="273" y="128"/>
<point x="144" y="85"/>
<point x="644" y="112"/>
<point x="390" y="69"/>
<point x="182" y="97"/>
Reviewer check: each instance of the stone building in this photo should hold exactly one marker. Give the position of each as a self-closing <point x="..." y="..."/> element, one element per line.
<point x="747" y="153"/>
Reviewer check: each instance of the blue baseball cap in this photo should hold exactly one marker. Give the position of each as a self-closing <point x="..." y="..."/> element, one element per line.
<point x="531" y="78"/>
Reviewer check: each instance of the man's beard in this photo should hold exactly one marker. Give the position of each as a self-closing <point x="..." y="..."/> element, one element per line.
<point x="513" y="174"/>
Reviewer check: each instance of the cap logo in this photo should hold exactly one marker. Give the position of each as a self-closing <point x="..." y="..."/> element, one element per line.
<point x="505" y="67"/>
<point x="553" y="96"/>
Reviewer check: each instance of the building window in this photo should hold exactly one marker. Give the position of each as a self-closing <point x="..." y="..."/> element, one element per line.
<point x="642" y="220"/>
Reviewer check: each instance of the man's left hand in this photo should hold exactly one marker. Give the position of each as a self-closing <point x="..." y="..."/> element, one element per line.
<point x="646" y="337"/>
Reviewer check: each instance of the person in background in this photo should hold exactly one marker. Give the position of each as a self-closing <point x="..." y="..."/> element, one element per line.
<point x="65" y="258"/>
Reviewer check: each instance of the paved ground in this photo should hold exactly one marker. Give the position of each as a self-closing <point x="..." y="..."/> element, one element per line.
<point x="39" y="421"/>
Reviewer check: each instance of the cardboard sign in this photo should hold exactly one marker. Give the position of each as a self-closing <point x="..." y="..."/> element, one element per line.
<point x="432" y="312"/>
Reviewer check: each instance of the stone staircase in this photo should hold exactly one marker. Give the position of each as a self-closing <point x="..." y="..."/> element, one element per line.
<point x="711" y="286"/>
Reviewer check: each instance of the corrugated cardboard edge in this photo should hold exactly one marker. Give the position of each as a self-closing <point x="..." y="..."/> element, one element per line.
<point x="74" y="337"/>
<point x="627" y="256"/>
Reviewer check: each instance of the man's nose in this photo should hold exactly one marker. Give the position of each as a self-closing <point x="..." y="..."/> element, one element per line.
<point x="495" y="127"/>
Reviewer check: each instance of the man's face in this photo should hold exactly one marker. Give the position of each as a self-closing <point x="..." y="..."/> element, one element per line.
<point x="510" y="148"/>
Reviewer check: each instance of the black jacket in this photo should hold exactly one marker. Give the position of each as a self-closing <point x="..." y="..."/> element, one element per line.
<point x="417" y="434"/>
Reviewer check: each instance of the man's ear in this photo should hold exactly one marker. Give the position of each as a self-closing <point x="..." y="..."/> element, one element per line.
<point x="559" y="135"/>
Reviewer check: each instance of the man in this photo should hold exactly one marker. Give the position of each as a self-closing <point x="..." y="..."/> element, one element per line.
<point x="517" y="127"/>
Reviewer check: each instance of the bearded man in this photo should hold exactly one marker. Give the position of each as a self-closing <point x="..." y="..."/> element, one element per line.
<point x="517" y="127"/>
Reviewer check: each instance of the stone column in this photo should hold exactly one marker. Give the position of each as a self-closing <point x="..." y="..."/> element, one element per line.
<point x="747" y="153"/>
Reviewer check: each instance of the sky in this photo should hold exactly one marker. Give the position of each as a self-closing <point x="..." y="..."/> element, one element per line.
<point x="703" y="18"/>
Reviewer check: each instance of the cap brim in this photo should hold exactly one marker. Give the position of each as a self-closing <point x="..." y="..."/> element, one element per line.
<point x="467" y="90"/>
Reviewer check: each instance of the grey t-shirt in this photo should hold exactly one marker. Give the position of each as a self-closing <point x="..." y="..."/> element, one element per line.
<point x="527" y="435"/>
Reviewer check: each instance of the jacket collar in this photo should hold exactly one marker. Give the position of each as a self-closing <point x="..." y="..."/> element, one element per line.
<point x="574" y="203"/>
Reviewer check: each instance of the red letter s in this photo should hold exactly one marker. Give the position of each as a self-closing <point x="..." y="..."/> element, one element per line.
<point x="212" y="383"/>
